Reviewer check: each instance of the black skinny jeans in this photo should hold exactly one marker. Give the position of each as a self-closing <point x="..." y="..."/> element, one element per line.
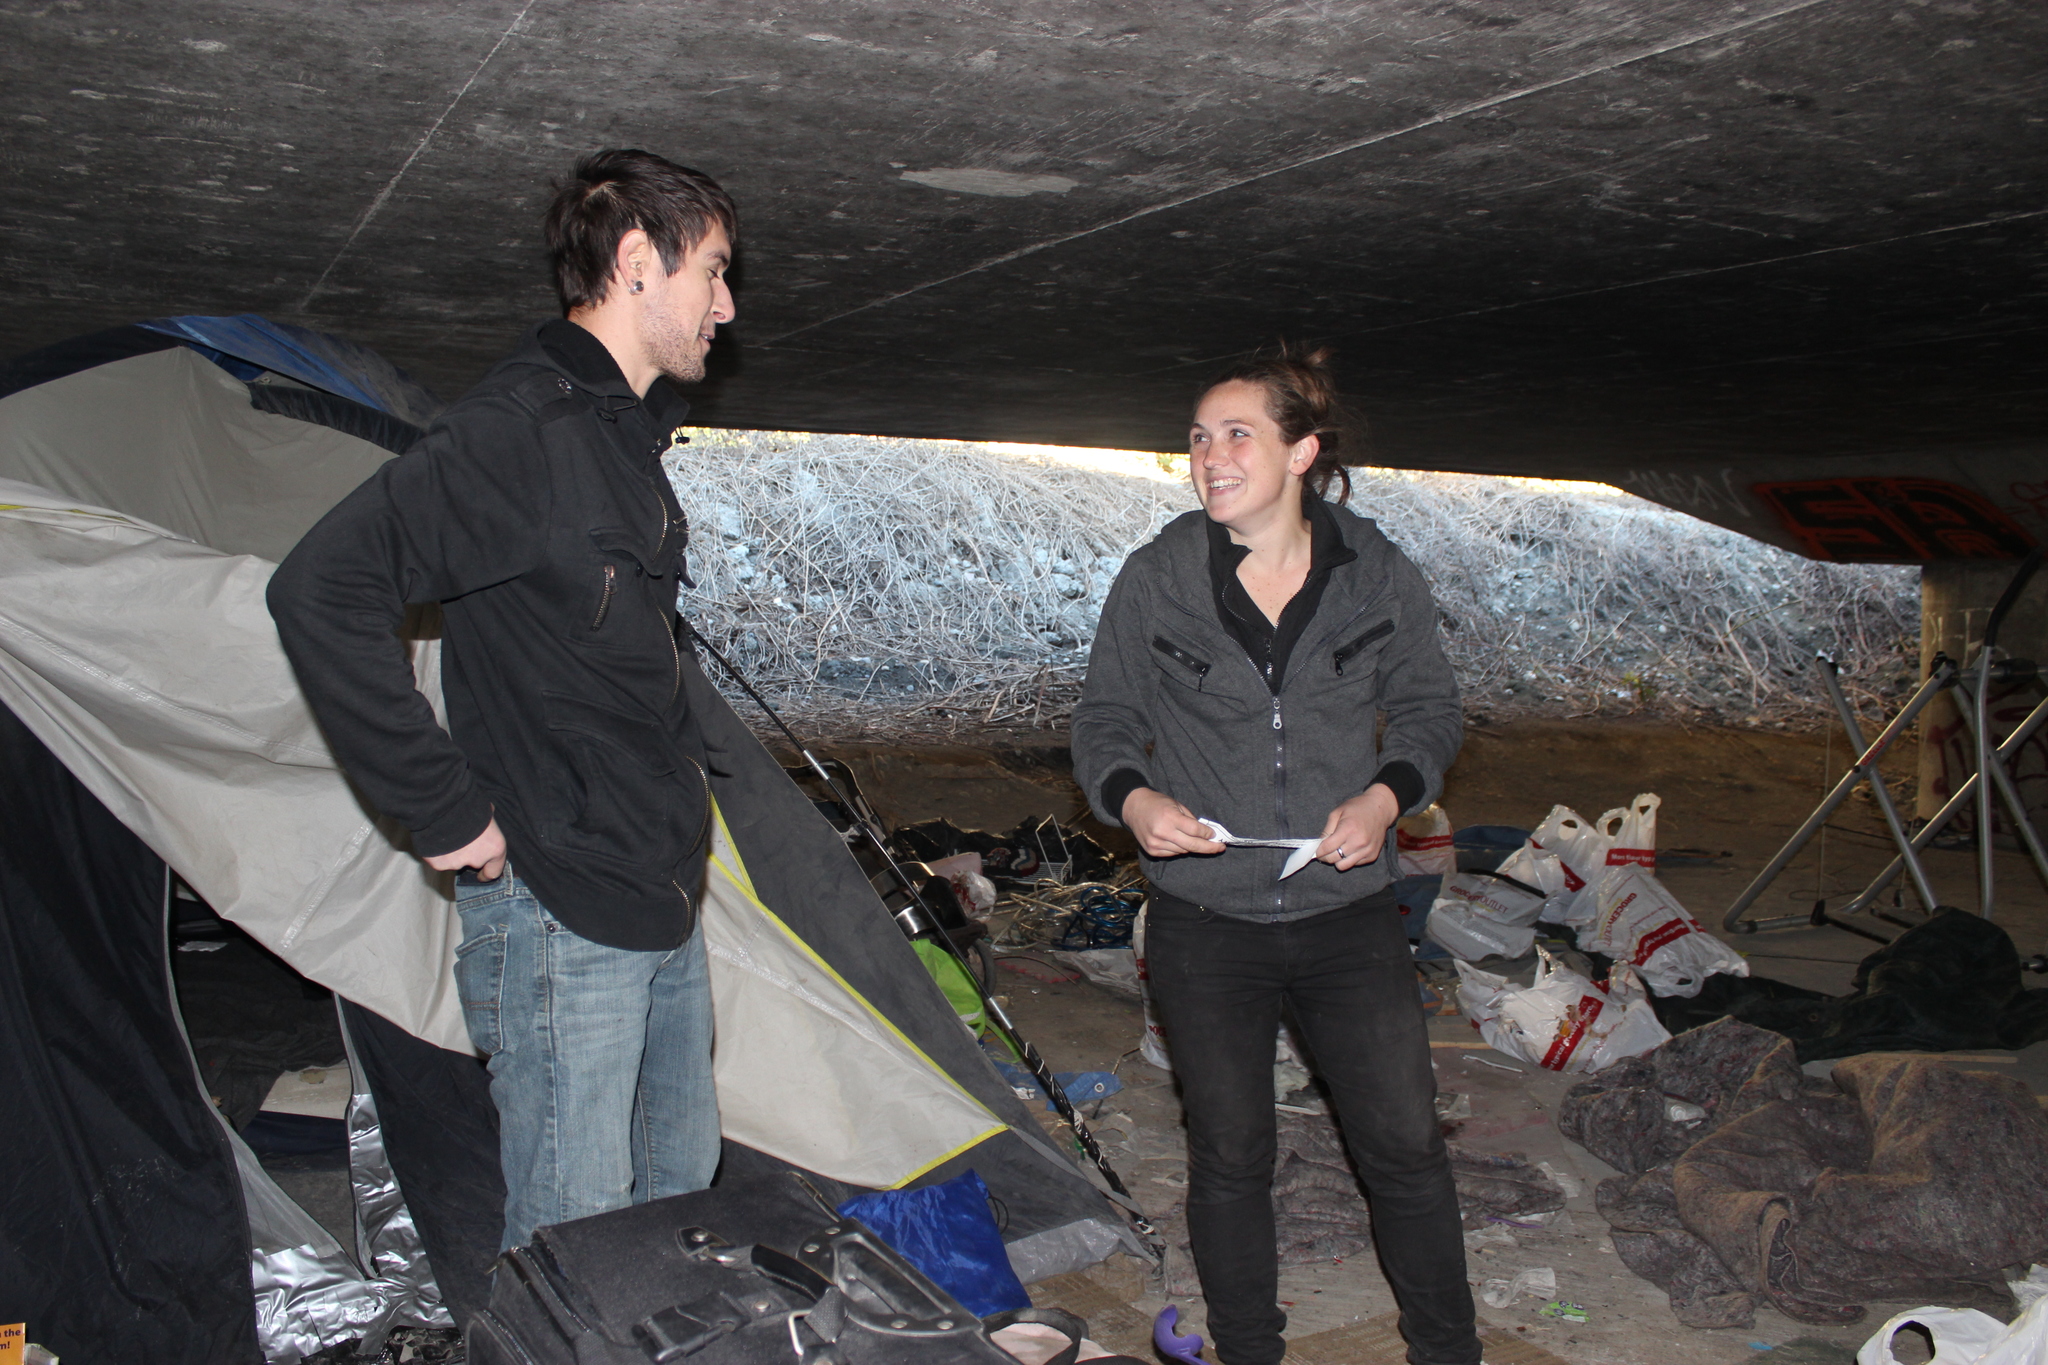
<point x="1218" y="984"/>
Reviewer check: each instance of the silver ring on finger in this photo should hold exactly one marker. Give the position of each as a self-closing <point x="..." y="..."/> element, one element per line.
<point x="1340" y="855"/>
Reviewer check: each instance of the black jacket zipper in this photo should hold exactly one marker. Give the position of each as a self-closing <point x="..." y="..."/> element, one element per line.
<point x="1378" y="632"/>
<point x="1198" y="667"/>
<point x="703" y="828"/>
<point x="604" y="603"/>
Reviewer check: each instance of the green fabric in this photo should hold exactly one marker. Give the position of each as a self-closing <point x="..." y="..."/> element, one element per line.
<point x="959" y="988"/>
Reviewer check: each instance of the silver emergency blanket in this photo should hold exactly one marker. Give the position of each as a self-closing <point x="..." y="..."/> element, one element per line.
<point x="309" y="1293"/>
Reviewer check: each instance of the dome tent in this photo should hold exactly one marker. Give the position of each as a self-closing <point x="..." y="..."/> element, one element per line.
<point x="150" y="477"/>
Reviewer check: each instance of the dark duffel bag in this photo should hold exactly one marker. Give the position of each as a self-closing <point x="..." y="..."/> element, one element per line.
<point x="737" y="1275"/>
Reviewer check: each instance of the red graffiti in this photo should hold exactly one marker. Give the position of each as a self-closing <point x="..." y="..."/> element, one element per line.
<point x="1893" y="521"/>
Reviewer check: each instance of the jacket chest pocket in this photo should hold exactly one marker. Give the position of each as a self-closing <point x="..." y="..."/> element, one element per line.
<point x="1191" y="686"/>
<point x="1180" y="664"/>
<point x="616" y="571"/>
<point x="1359" y="657"/>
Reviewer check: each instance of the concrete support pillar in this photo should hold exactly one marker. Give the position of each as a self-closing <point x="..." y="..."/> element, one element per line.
<point x="1955" y="602"/>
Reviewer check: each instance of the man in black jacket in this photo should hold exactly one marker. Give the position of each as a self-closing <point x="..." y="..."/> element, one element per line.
<point x="568" y="789"/>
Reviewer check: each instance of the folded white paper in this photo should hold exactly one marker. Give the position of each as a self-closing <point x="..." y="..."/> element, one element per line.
<point x="1304" y="849"/>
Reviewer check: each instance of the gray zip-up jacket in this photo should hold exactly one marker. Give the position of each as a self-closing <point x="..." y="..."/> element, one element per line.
<point x="1171" y="694"/>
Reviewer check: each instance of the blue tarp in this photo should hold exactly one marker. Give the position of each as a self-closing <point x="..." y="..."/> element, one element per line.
<point x="246" y="346"/>
<point x="947" y="1231"/>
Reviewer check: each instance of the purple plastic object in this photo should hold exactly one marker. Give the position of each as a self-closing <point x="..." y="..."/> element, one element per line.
<point x="1172" y="1344"/>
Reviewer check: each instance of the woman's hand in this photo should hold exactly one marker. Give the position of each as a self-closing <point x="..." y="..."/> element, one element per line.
<point x="1164" y="827"/>
<point x="1355" y="830"/>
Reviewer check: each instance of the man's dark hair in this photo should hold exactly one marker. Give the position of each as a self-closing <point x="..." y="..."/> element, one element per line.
<point x="614" y="191"/>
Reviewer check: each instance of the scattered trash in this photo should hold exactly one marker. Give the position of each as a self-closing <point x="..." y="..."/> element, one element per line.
<point x="1172" y="1344"/>
<point x="1562" y="1022"/>
<point x="1563" y="1311"/>
<point x="1490" y="1234"/>
<point x="1103" y="919"/>
<point x="976" y="892"/>
<point x="1572" y="1186"/>
<point x="1683" y="1113"/>
<point x="1113" y="969"/>
<point x="1452" y="1105"/>
<point x="1539" y="1281"/>
<point x="1035" y="851"/>
<point x="1488" y="1061"/>
<point x="1082" y="1087"/>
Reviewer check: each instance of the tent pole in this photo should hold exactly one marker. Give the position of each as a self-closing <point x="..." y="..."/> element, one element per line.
<point x="917" y="919"/>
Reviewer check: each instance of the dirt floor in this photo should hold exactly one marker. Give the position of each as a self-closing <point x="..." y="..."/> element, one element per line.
<point x="1731" y="798"/>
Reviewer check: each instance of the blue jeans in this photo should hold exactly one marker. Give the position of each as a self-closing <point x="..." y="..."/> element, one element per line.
<point x="1219" y="984"/>
<point x="600" y="1059"/>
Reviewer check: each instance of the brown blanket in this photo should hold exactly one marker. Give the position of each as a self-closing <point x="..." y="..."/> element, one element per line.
<point x="1907" y="1179"/>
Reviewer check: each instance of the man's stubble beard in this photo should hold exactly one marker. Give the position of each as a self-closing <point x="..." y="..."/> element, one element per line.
<point x="678" y="354"/>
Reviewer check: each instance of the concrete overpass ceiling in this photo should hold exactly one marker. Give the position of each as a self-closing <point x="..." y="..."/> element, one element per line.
<point x="1677" y="244"/>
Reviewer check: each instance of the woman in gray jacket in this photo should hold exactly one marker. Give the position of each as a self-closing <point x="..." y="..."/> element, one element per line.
<point x="1243" y="663"/>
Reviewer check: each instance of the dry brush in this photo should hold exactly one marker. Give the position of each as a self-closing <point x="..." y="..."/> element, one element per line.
<point x="894" y="586"/>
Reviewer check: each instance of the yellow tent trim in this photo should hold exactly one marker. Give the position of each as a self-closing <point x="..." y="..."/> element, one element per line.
<point x="745" y="883"/>
<point x="941" y="1160"/>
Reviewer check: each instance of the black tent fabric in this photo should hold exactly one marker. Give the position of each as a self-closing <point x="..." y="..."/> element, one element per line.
<point x="441" y="1134"/>
<point x="122" y="1232"/>
<point x="331" y="410"/>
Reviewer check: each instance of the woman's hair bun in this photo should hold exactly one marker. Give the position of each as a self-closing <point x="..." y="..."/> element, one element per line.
<point x="1302" y="399"/>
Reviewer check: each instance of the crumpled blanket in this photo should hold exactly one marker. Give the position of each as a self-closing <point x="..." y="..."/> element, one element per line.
<point x="1902" y="1179"/>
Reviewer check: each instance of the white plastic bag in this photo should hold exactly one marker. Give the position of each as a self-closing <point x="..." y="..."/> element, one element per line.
<point x="1580" y="851"/>
<point x="1536" y="867"/>
<point x="2026" y="1341"/>
<point x="1469" y="935"/>
<point x="1422" y="844"/>
<point x="1639" y="921"/>
<point x="1963" y="1336"/>
<point x="1478" y="914"/>
<point x="1635" y="842"/>
<point x="1562" y="1022"/>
